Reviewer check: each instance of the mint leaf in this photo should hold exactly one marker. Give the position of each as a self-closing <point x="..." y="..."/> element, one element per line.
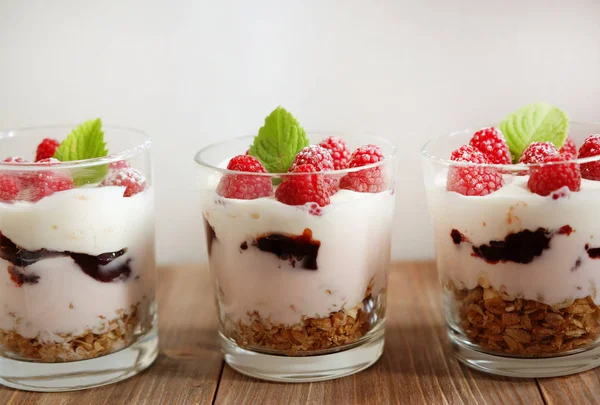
<point x="278" y="141"/>
<point x="85" y="142"/>
<point x="538" y="122"/>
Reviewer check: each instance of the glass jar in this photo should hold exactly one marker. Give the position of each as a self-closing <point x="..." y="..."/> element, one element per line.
<point x="518" y="270"/>
<point x="300" y="290"/>
<point x="77" y="267"/>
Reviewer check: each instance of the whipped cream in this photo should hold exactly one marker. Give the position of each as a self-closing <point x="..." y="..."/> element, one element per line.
<point x="562" y="273"/>
<point x="354" y="233"/>
<point x="83" y="220"/>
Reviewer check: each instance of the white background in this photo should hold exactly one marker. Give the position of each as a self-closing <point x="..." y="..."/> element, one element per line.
<point x="194" y="72"/>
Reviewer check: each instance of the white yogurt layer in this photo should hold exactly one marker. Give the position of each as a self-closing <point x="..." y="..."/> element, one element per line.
<point x="552" y="278"/>
<point x="355" y="234"/>
<point x="83" y="220"/>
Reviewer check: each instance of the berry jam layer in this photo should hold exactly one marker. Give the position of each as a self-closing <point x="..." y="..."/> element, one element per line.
<point x="530" y="246"/>
<point x="288" y="264"/>
<point x="73" y="264"/>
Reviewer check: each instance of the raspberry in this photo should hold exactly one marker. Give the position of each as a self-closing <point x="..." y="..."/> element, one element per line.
<point x="38" y="185"/>
<point x="544" y="180"/>
<point x="314" y="155"/>
<point x="121" y="164"/>
<point x="339" y="150"/>
<point x="569" y="149"/>
<point x="302" y="189"/>
<point x="133" y="181"/>
<point x="537" y="152"/>
<point x="492" y="144"/>
<point x="46" y="149"/>
<point x="9" y="189"/>
<point x="590" y="147"/>
<point x="472" y="180"/>
<point x="365" y="155"/>
<point x="245" y="163"/>
<point x="369" y="180"/>
<point x="245" y="186"/>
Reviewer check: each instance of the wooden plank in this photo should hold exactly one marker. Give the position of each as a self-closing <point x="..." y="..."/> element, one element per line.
<point x="577" y="389"/>
<point x="189" y="364"/>
<point x="416" y="368"/>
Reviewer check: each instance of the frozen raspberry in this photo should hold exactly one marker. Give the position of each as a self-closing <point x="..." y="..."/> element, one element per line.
<point x="590" y="147"/>
<point x="314" y="155"/>
<point x="472" y="180"/>
<point x="46" y="149"/>
<point x="492" y="144"/>
<point x="120" y="164"/>
<point x="339" y="150"/>
<point x="546" y="179"/>
<point x="37" y="185"/>
<point x="245" y="186"/>
<point x="365" y="155"/>
<point x="305" y="188"/>
<point x="537" y="152"/>
<point x="133" y="181"/>
<point x="9" y="188"/>
<point x="369" y="180"/>
<point x="15" y="159"/>
<point x="569" y="149"/>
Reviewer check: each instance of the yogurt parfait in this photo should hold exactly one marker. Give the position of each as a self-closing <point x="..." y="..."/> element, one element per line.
<point x="298" y="238"/>
<point x="517" y="241"/>
<point x="77" y="277"/>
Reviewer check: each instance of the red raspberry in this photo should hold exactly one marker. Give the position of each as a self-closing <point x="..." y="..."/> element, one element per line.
<point x="472" y="180"/>
<point x="492" y="144"/>
<point x="38" y="185"/>
<point x="46" y="149"/>
<point x="314" y="155"/>
<point x="365" y="155"/>
<point x="303" y="189"/>
<point x="590" y="147"/>
<point x="120" y="164"/>
<point x="15" y="159"/>
<point x="369" y="180"/>
<point x="569" y="149"/>
<point x="545" y="179"/>
<point x="133" y="181"/>
<point x="245" y="186"/>
<point x="339" y="150"/>
<point x="537" y="152"/>
<point x="9" y="189"/>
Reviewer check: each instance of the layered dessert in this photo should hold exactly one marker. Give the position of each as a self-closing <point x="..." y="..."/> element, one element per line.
<point x="299" y="260"/>
<point x="517" y="239"/>
<point x="76" y="252"/>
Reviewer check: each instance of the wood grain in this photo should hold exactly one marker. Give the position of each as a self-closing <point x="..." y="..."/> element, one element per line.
<point x="188" y="368"/>
<point x="417" y="366"/>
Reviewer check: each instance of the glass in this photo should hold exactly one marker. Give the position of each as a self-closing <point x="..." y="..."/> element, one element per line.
<point x="300" y="290"/>
<point x="518" y="270"/>
<point x="77" y="268"/>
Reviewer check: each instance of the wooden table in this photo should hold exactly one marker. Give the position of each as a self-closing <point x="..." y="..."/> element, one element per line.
<point x="416" y="368"/>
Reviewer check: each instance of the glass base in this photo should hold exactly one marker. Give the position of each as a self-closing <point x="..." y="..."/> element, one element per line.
<point x="520" y="367"/>
<point x="307" y="368"/>
<point x="79" y="375"/>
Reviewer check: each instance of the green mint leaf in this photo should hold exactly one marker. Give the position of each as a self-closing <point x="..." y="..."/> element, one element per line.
<point x="278" y="141"/>
<point x="538" y="122"/>
<point x="85" y="142"/>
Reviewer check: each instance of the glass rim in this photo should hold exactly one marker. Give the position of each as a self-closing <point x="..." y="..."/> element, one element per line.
<point x="200" y="161"/>
<point x="74" y="164"/>
<point x="504" y="167"/>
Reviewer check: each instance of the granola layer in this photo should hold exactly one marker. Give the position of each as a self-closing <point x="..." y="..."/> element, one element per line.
<point x="497" y="322"/>
<point x="119" y="333"/>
